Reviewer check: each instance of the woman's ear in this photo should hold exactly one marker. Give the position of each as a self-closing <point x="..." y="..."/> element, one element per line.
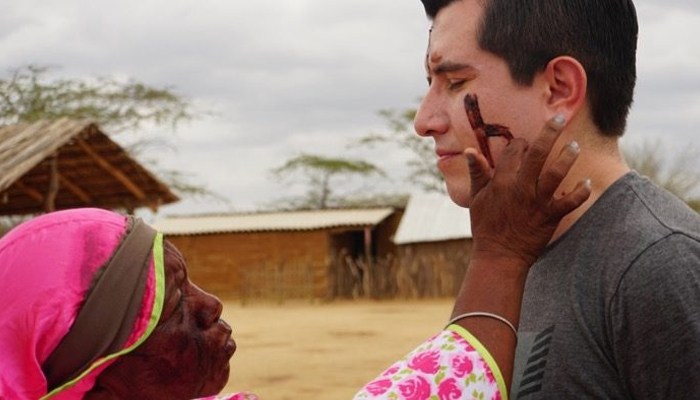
<point x="566" y="81"/>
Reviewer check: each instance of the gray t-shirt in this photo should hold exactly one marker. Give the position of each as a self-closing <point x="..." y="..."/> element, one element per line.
<point x="612" y="308"/>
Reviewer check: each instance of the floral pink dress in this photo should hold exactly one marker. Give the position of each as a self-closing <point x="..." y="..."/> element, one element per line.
<point x="232" y="396"/>
<point x="451" y="365"/>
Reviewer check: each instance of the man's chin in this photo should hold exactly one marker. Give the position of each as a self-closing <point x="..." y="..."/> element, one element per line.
<point x="459" y="195"/>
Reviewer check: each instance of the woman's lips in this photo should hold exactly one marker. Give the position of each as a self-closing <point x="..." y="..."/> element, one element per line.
<point x="230" y="347"/>
<point x="230" y="344"/>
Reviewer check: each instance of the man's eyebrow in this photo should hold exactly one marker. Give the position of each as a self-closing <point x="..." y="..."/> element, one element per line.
<point x="449" y="66"/>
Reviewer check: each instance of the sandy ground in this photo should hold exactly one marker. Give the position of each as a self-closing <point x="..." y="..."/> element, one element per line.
<point x="324" y="351"/>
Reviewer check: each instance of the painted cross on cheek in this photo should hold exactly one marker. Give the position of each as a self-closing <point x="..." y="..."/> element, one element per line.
<point x="483" y="131"/>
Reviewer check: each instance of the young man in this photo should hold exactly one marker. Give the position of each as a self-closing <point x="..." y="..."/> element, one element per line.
<point x="612" y="307"/>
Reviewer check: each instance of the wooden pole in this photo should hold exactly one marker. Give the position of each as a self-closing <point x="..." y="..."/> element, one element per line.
<point x="368" y="280"/>
<point x="368" y="243"/>
<point x="52" y="191"/>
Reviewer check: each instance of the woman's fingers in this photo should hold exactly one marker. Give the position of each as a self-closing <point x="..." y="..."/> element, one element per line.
<point x="510" y="161"/>
<point x="550" y="179"/>
<point x="540" y="148"/>
<point x="521" y="165"/>
<point x="517" y="210"/>
<point x="572" y="200"/>
<point x="479" y="171"/>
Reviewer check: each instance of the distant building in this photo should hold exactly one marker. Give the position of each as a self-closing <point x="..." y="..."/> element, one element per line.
<point x="280" y="255"/>
<point x="421" y="251"/>
<point x="433" y="244"/>
<point x="58" y="164"/>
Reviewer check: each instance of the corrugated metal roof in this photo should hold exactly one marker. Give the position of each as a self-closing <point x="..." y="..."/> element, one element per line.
<point x="432" y="218"/>
<point x="272" y="221"/>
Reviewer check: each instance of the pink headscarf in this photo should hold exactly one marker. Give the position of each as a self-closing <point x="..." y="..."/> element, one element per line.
<point x="46" y="267"/>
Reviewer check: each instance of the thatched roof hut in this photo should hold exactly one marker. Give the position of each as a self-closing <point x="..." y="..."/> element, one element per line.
<point x="66" y="163"/>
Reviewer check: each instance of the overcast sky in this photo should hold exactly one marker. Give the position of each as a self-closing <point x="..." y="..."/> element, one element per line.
<point x="290" y="76"/>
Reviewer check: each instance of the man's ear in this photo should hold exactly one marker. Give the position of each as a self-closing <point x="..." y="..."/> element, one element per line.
<point x="566" y="81"/>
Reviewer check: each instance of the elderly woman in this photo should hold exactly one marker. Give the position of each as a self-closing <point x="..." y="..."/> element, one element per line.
<point x="98" y="305"/>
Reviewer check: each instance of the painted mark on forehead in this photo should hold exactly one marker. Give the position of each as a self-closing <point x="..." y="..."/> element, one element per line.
<point x="427" y="50"/>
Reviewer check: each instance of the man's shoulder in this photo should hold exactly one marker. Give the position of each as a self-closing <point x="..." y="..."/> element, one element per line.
<point x="628" y="218"/>
<point x="643" y="221"/>
<point x="652" y="209"/>
<point x="668" y="235"/>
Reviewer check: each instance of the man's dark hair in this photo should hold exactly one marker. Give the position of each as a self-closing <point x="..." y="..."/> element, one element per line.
<point x="600" y="34"/>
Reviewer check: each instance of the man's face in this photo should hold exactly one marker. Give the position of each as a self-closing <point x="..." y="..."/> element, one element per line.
<point x="187" y="355"/>
<point x="457" y="66"/>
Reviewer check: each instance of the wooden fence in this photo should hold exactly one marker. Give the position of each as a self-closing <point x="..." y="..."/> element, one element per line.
<point x="279" y="282"/>
<point x="405" y="275"/>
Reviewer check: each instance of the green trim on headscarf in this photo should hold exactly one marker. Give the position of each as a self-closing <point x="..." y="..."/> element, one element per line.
<point x="158" y="300"/>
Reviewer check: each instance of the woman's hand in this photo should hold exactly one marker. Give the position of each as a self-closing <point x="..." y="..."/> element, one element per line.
<point x="514" y="211"/>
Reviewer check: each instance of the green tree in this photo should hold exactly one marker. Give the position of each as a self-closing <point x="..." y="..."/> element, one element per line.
<point x="321" y="175"/>
<point x="30" y="94"/>
<point x="423" y="171"/>
<point x="679" y="175"/>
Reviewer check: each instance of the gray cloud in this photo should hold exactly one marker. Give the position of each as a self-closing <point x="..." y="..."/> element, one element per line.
<point x="286" y="76"/>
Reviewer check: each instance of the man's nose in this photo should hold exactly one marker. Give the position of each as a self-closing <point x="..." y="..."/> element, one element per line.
<point x="209" y="308"/>
<point x="431" y="117"/>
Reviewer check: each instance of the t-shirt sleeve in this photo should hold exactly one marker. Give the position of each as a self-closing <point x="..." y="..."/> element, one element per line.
<point x="451" y="365"/>
<point x="655" y="316"/>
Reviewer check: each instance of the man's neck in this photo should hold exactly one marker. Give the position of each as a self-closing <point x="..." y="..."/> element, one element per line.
<point x="601" y="162"/>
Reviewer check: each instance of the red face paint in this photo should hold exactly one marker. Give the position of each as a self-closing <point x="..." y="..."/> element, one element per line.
<point x="483" y="131"/>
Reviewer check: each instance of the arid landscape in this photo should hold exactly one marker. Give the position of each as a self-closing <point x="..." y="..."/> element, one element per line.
<point x="324" y="351"/>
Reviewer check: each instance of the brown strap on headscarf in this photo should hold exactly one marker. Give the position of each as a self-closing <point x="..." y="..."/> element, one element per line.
<point x="109" y="312"/>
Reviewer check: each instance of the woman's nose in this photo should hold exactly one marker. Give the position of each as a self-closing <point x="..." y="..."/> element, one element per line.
<point x="208" y="308"/>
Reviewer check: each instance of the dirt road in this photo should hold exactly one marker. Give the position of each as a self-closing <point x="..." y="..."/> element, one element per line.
<point x="324" y="351"/>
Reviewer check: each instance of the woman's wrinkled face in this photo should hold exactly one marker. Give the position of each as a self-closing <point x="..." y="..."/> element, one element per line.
<point x="187" y="355"/>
